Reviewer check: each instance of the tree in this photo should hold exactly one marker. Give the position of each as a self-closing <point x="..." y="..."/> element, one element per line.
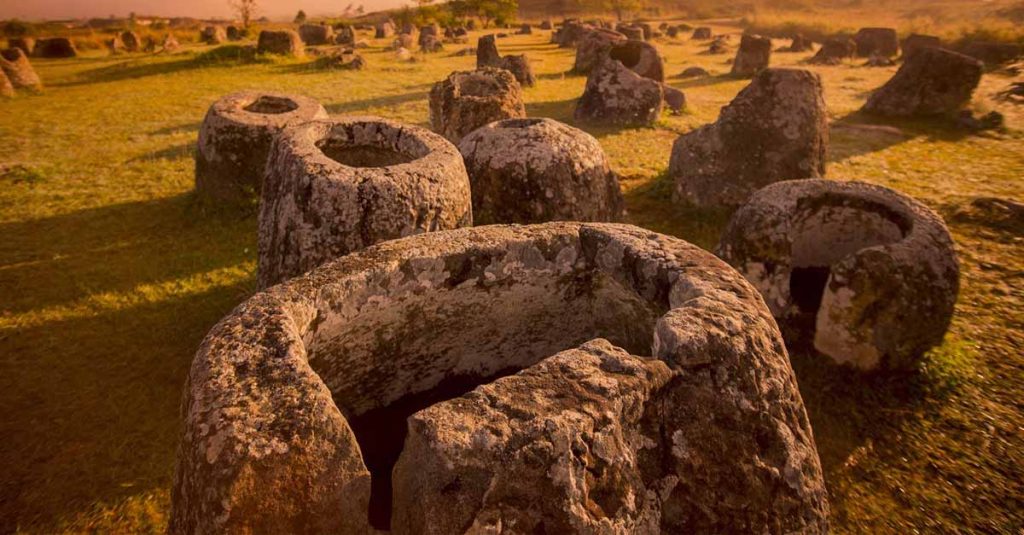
<point x="497" y="11"/>
<point x="245" y="8"/>
<point x="300" y="17"/>
<point x="624" y="7"/>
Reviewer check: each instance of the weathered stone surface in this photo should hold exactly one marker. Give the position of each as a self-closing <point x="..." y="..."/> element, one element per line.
<point x="467" y="100"/>
<point x="233" y="33"/>
<point x="547" y="25"/>
<point x="430" y="44"/>
<point x="213" y="35"/>
<point x="706" y="432"/>
<point x="520" y="68"/>
<point x="345" y="60"/>
<point x="316" y="34"/>
<point x="877" y="42"/>
<point x="235" y="138"/>
<point x="132" y="42"/>
<point x="615" y="95"/>
<point x="870" y="275"/>
<point x="674" y="99"/>
<point x="487" y="54"/>
<point x="640" y="57"/>
<point x="429" y="31"/>
<point x="336" y="186"/>
<point x="115" y="46"/>
<point x="593" y="47"/>
<point x="54" y="47"/>
<point x="702" y="32"/>
<point x="539" y="170"/>
<point x="525" y="29"/>
<point x="993" y="54"/>
<point x="570" y="33"/>
<point x="992" y="120"/>
<point x="799" y="44"/>
<point x="834" y="51"/>
<point x="404" y="40"/>
<point x="717" y="46"/>
<point x="26" y="44"/>
<point x="19" y="71"/>
<point x="753" y="56"/>
<point x="280" y="42"/>
<point x="775" y="129"/>
<point x="384" y="30"/>
<point x="556" y="448"/>
<point x="916" y="41"/>
<point x="344" y="35"/>
<point x="170" y="44"/>
<point x="631" y="32"/>
<point x="933" y="81"/>
<point x="647" y="29"/>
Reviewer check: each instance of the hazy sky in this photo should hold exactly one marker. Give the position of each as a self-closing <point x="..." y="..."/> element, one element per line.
<point x="53" y="9"/>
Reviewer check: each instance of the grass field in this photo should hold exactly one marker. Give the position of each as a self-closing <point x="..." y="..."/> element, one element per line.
<point x="111" y="273"/>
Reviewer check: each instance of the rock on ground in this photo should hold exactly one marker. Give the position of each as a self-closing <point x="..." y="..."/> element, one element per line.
<point x="702" y="32"/>
<point x="316" y="34"/>
<point x="754" y="54"/>
<point x="592" y="48"/>
<point x="704" y="430"/>
<point x="132" y="42"/>
<point x="213" y="35"/>
<point x="933" y="81"/>
<point x="16" y="65"/>
<point x="235" y="138"/>
<point x="993" y="54"/>
<point x="615" y="95"/>
<point x="26" y="44"/>
<point x="674" y="99"/>
<point x="55" y="47"/>
<point x="877" y="42"/>
<point x="280" y="42"/>
<point x="539" y="170"/>
<point x="775" y="129"/>
<point x="467" y="100"/>
<point x="640" y="57"/>
<point x="384" y="30"/>
<point x="834" y="51"/>
<point x="695" y="72"/>
<point x="916" y="41"/>
<point x="866" y="273"/>
<point x="799" y="44"/>
<point x="170" y="44"/>
<point x="336" y="186"/>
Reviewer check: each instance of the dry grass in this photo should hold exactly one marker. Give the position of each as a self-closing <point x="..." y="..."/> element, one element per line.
<point x="110" y="274"/>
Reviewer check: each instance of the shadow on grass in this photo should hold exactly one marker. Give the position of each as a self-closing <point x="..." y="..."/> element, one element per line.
<point x="357" y="106"/>
<point x="91" y="413"/>
<point x="650" y="206"/>
<point x="680" y="82"/>
<point x="61" y="260"/>
<point x="559" y="110"/>
<point x="177" y="129"/>
<point x="860" y="133"/>
<point x="175" y="152"/>
<point x="857" y="416"/>
<point x="144" y="66"/>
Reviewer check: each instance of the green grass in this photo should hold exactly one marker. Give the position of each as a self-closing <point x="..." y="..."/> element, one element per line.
<point x="111" y="273"/>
